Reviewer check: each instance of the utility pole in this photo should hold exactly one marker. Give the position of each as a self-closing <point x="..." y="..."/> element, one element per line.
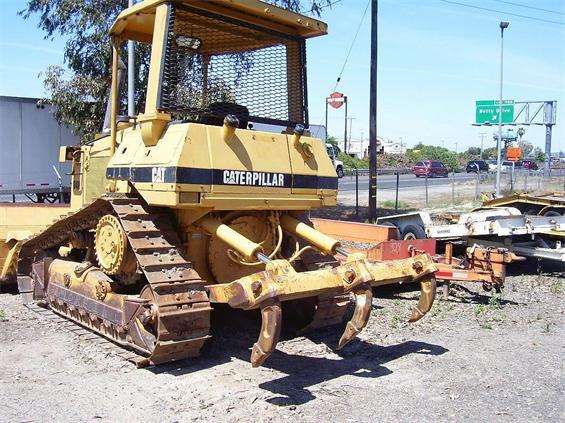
<point x="326" y="118"/>
<point x="131" y="73"/>
<point x="345" y="146"/>
<point x="373" y="115"/>
<point x="503" y="26"/>
<point x="482" y="134"/>
<point x="349" y="132"/>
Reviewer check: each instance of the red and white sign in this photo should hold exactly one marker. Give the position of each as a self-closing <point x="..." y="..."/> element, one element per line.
<point x="336" y="100"/>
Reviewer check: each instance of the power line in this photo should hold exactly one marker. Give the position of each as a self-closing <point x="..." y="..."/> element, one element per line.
<point x="500" y="11"/>
<point x="529" y="7"/>
<point x="351" y="46"/>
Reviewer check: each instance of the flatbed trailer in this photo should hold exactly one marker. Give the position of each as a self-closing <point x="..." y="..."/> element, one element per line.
<point x="548" y="204"/>
<point x="540" y="237"/>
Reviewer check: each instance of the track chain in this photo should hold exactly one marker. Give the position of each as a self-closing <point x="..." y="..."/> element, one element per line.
<point x="180" y="311"/>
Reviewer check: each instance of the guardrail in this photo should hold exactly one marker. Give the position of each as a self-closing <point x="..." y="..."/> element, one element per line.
<point x="387" y="171"/>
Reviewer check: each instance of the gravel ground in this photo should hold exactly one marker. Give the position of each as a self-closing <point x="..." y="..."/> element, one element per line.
<point x="475" y="357"/>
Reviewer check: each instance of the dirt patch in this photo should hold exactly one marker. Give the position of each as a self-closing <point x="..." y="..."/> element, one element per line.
<point x="474" y="357"/>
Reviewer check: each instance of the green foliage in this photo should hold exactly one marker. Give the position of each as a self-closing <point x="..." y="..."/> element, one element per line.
<point x="479" y="309"/>
<point x="79" y="101"/>
<point x="494" y="302"/>
<point x="389" y="204"/>
<point x="556" y="287"/>
<point x="85" y="25"/>
<point x="473" y="151"/>
<point x="333" y="141"/>
<point x="2" y="315"/>
<point x="352" y="162"/>
<point x="432" y="152"/>
<point x="526" y="146"/>
<point x="539" y="155"/>
<point x="489" y="153"/>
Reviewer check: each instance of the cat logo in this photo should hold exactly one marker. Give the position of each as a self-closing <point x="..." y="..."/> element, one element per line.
<point x="229" y="178"/>
<point x="158" y="175"/>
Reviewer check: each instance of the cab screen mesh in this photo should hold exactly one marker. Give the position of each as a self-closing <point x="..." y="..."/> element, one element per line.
<point x="215" y="66"/>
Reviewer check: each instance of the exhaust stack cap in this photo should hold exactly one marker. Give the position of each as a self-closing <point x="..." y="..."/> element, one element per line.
<point x="232" y="121"/>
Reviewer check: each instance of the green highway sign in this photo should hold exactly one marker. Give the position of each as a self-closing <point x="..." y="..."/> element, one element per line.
<point x="488" y="111"/>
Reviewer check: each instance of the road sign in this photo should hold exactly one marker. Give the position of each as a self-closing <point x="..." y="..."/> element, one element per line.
<point x="513" y="153"/>
<point x="488" y="111"/>
<point x="336" y="100"/>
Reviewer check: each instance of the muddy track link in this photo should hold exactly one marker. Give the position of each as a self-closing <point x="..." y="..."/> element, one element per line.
<point x="85" y="334"/>
<point x="176" y="304"/>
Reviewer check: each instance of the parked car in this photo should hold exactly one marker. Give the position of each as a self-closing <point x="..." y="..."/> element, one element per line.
<point x="505" y="166"/>
<point x="474" y="166"/>
<point x="491" y="165"/>
<point x="430" y="168"/>
<point x="529" y="165"/>
<point x="338" y="164"/>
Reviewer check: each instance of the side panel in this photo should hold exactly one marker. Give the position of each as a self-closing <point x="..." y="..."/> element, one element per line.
<point x="249" y="162"/>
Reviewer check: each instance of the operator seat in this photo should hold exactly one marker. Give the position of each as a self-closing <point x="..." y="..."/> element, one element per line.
<point x="216" y="112"/>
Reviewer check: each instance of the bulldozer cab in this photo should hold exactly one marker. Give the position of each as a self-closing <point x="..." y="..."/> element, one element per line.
<point x="215" y="58"/>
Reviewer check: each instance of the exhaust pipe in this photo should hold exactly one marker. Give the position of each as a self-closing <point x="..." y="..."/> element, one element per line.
<point x="108" y="113"/>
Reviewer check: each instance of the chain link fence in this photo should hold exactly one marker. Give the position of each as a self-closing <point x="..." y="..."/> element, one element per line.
<point x="400" y="190"/>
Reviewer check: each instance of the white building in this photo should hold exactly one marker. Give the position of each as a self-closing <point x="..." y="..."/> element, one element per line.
<point x="393" y="147"/>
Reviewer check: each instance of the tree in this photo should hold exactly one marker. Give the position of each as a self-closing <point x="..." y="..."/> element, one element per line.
<point x="539" y="155"/>
<point x="489" y="153"/>
<point x="432" y="152"/>
<point x="80" y="99"/>
<point x="473" y="151"/>
<point x="333" y="141"/>
<point x="526" y="147"/>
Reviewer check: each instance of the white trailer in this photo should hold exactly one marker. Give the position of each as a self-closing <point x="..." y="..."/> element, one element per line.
<point x="530" y="236"/>
<point x="30" y="138"/>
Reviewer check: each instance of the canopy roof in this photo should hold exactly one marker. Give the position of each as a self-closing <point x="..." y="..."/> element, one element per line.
<point x="137" y="22"/>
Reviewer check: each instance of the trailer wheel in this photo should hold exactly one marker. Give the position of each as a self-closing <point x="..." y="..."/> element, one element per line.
<point x="532" y="211"/>
<point x="413" y="232"/>
<point x="552" y="213"/>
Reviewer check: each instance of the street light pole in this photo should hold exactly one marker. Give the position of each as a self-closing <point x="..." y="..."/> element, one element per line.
<point x="503" y="26"/>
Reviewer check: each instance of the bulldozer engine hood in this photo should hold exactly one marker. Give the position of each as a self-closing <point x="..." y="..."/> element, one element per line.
<point x="195" y="164"/>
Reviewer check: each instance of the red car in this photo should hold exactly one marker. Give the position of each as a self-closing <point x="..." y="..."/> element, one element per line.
<point x="529" y="164"/>
<point x="430" y="168"/>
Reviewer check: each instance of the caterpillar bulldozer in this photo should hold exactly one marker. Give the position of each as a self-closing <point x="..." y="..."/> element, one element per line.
<point x="202" y="198"/>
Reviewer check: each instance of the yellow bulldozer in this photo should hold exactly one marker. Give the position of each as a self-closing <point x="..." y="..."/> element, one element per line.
<point x="203" y="198"/>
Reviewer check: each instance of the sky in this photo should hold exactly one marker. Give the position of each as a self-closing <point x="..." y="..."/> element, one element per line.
<point x="435" y="59"/>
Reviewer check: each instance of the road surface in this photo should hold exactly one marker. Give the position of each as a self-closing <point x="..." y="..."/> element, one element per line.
<point x="347" y="183"/>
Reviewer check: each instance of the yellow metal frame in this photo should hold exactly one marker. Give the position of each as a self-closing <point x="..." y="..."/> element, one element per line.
<point x="136" y="23"/>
